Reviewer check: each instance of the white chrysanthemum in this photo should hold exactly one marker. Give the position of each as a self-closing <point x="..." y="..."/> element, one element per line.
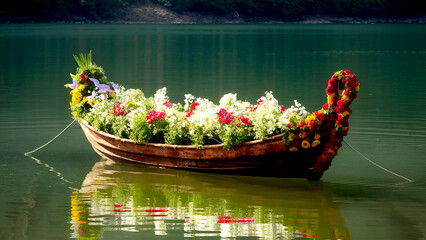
<point x="296" y="111"/>
<point x="189" y="100"/>
<point x="161" y="96"/>
<point x="130" y="95"/>
<point x="228" y="100"/>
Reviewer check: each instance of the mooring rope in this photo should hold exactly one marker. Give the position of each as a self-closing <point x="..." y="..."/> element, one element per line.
<point x="377" y="165"/>
<point x="35" y="150"/>
<point x="51" y="169"/>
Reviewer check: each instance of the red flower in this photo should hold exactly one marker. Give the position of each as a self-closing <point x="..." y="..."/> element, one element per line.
<point x="346" y="72"/>
<point x="194" y="106"/>
<point x="154" y="115"/>
<point x="119" y="109"/>
<point x="188" y="114"/>
<point x="245" y="120"/>
<point x="167" y="103"/>
<point x="225" y="116"/>
<point x="320" y="116"/>
<point x="313" y="124"/>
<point x="259" y="101"/>
<point x="325" y="106"/>
<point x="339" y="108"/>
<point x="282" y="109"/>
<point x="290" y="125"/>
<point x="84" y="78"/>
<point x="251" y="109"/>
<point x="302" y="124"/>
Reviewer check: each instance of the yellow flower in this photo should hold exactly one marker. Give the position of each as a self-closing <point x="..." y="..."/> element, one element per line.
<point x="81" y="87"/>
<point x="317" y="136"/>
<point x="84" y="100"/>
<point x="330" y="99"/>
<point x="293" y="149"/>
<point x="75" y="93"/>
<point x="291" y="137"/>
<point x="302" y="134"/>
<point x="306" y="144"/>
<point x="74" y="101"/>
<point x="309" y="119"/>
<point x="345" y="98"/>
<point x="315" y="143"/>
<point x="357" y="88"/>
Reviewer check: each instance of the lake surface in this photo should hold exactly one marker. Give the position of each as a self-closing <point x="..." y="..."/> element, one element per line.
<point x="67" y="191"/>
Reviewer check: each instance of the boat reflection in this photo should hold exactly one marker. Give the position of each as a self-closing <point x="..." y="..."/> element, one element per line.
<point x="179" y="204"/>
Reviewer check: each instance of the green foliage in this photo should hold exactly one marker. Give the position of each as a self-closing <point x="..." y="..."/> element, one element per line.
<point x="176" y="135"/>
<point x="198" y="137"/>
<point x="80" y="110"/>
<point x="141" y="130"/>
<point x="120" y="127"/>
<point x="234" y="136"/>
<point x="89" y="68"/>
<point x="144" y="132"/>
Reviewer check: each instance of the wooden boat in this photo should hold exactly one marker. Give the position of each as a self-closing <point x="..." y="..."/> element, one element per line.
<point x="275" y="156"/>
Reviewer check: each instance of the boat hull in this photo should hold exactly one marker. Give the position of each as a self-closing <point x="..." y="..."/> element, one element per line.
<point x="268" y="157"/>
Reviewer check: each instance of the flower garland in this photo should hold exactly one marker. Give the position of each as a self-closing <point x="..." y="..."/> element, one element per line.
<point x="341" y="91"/>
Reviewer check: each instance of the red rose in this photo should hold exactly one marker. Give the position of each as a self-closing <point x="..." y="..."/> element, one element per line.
<point x="119" y="109"/>
<point x="84" y="78"/>
<point x="167" y="103"/>
<point x="245" y="120"/>
<point x="346" y="72"/>
<point x="325" y="106"/>
<point x="154" y="115"/>
<point x="225" y="116"/>
<point x="313" y="124"/>
<point x="188" y="114"/>
<point x="302" y="124"/>
<point x="320" y="116"/>
<point x="194" y="106"/>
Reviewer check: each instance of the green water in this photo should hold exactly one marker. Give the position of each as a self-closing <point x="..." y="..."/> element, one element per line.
<point x="68" y="191"/>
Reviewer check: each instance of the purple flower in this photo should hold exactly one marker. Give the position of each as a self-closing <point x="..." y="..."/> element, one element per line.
<point x="73" y="85"/>
<point x="99" y="85"/>
<point x="114" y="85"/>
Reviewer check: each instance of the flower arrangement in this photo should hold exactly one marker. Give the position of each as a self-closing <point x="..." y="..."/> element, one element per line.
<point x="127" y="113"/>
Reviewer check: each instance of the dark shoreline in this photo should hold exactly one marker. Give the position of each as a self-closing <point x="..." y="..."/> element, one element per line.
<point x="157" y="14"/>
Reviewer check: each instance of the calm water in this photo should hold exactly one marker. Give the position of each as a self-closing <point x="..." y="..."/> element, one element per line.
<point x="67" y="191"/>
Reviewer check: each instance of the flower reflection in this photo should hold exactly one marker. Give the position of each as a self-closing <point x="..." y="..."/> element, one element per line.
<point x="132" y="198"/>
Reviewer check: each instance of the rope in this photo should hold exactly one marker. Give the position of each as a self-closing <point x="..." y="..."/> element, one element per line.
<point x="51" y="169"/>
<point x="377" y="165"/>
<point x="35" y="150"/>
